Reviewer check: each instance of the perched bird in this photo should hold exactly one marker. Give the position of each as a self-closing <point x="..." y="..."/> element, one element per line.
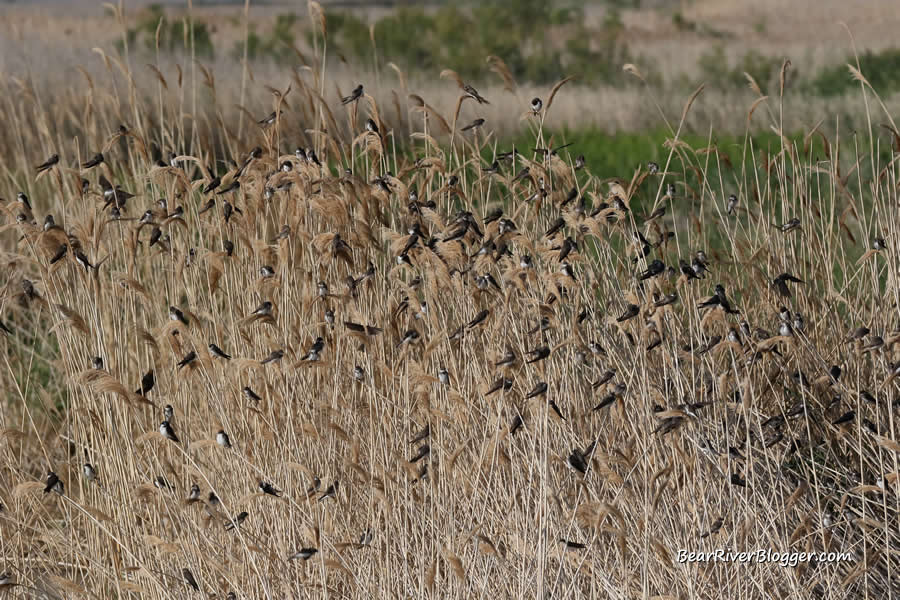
<point x="355" y="95"/>
<point x="188" y="359"/>
<point x="579" y="460"/>
<point x="268" y="488"/>
<point x="473" y="93"/>
<point x="274" y="356"/>
<point x="165" y="429"/>
<point x="222" y="439"/>
<point x="147" y="383"/>
<point x="536" y="105"/>
<point x="54" y="483"/>
<point x="473" y="125"/>
<point x="48" y="164"/>
<point x="218" y="352"/>
<point x="303" y="554"/>
<point x="790" y="225"/>
<point x="93" y="162"/>
<point x="236" y="521"/>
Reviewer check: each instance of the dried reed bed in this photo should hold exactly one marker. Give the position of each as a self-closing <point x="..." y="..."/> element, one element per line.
<point x="484" y="511"/>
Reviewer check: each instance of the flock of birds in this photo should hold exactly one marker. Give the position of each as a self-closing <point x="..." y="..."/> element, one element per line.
<point x="436" y="243"/>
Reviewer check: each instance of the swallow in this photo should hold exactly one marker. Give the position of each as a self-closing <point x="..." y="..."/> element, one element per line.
<point x="175" y="314"/>
<point x="516" y="424"/>
<point x="54" y="483"/>
<point x="372" y="126"/>
<point x="82" y="260"/>
<point x="331" y="492"/>
<point x="147" y="383"/>
<point x="579" y="162"/>
<point x="538" y="354"/>
<point x="539" y="389"/>
<point x="218" y="352"/>
<point x="93" y="162"/>
<point x="556" y="409"/>
<point x="60" y="254"/>
<point x="188" y="359"/>
<point x="580" y="461"/>
<point x="653" y="269"/>
<point x="189" y="579"/>
<point x="857" y="334"/>
<point x="263" y="310"/>
<point x="548" y="152"/>
<point x="503" y="383"/>
<point x="847" y="417"/>
<point x="493" y="168"/>
<point x="473" y="125"/>
<point x="444" y="376"/>
<point x="478" y="319"/>
<point x="714" y="528"/>
<point x="314" y="350"/>
<point x="738" y="481"/>
<point x="355" y="95"/>
<point x="96" y="362"/>
<point x="536" y="105"/>
<point x="234" y="185"/>
<point x="222" y="439"/>
<point x="194" y="494"/>
<point x="273" y="356"/>
<point x="878" y="244"/>
<point x="719" y="299"/>
<point x="423" y="451"/>
<point x="48" y="164"/>
<point x="303" y="554"/>
<point x="665" y="300"/>
<point x="473" y="93"/>
<point x="359" y="373"/>
<point x="237" y="521"/>
<point x="631" y="311"/>
<point x="90" y="473"/>
<point x="268" y="488"/>
<point x="509" y="358"/>
<point x="165" y="429"/>
<point x="168" y="413"/>
<point x="604" y="378"/>
<point x="732" y="203"/>
<point x="788" y="226"/>
<point x="249" y="394"/>
<point x="780" y="284"/>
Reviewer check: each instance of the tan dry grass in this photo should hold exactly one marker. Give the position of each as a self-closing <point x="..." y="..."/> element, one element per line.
<point x="488" y="515"/>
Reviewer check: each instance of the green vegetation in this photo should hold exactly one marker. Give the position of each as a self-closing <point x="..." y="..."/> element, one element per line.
<point x="882" y="69"/>
<point x="174" y="35"/>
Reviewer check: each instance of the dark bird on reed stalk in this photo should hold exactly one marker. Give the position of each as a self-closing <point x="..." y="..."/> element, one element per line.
<point x="93" y="162"/>
<point x="54" y="483"/>
<point x="788" y="226"/>
<point x="237" y="521"/>
<point x="303" y="553"/>
<point x="190" y="580"/>
<point x="580" y="461"/>
<point x="218" y="352"/>
<point x="503" y="383"/>
<point x="355" y="95"/>
<point x="548" y="152"/>
<point x="473" y="93"/>
<point x="274" y="356"/>
<point x="188" y="359"/>
<point x="48" y="164"/>
<point x="536" y="105"/>
<point x="331" y="492"/>
<point x="473" y="125"/>
<point x="147" y="383"/>
<point x="719" y="299"/>
<point x="539" y="389"/>
<point x="538" y="354"/>
<point x="268" y="488"/>
<point x="780" y="284"/>
<point x="165" y="429"/>
<point x="631" y="311"/>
